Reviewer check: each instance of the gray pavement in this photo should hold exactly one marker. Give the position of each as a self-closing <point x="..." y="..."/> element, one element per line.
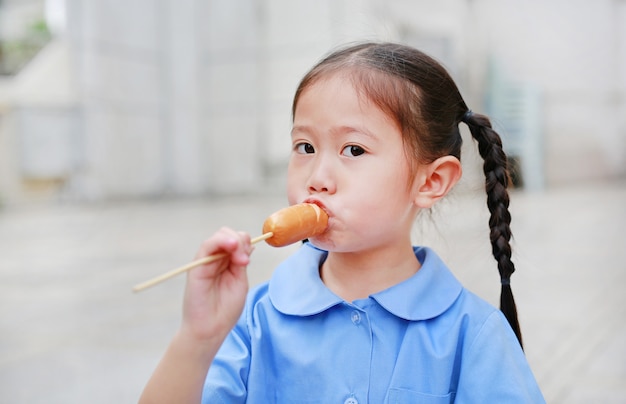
<point x="71" y="330"/>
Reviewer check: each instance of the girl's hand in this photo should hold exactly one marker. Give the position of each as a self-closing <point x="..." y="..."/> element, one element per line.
<point x="214" y="298"/>
<point x="215" y="293"/>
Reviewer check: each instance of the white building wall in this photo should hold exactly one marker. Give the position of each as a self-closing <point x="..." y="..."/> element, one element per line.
<point x="228" y="93"/>
<point x="118" y="71"/>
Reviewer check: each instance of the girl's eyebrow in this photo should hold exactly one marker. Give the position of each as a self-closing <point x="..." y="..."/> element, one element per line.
<point x="300" y="128"/>
<point x="338" y="130"/>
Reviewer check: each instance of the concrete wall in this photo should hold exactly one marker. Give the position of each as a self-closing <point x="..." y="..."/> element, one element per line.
<point x="120" y="60"/>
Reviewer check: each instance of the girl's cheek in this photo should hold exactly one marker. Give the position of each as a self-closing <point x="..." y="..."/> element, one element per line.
<point x="292" y="199"/>
<point x="292" y="192"/>
<point x="296" y="186"/>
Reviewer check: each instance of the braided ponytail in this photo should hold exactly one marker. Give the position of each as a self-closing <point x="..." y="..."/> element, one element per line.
<point x="496" y="181"/>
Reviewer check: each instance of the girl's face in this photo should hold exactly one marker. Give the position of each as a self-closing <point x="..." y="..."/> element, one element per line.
<point x="348" y="157"/>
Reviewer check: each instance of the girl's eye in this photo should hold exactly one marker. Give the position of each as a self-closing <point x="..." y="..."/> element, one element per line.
<point x="352" y="151"/>
<point x="305" y="148"/>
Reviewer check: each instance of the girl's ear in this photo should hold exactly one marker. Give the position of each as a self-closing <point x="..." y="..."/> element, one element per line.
<point x="435" y="180"/>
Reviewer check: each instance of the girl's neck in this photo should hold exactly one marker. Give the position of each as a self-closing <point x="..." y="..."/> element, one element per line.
<point x="354" y="276"/>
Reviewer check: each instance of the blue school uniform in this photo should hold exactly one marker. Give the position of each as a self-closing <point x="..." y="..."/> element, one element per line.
<point x="424" y="340"/>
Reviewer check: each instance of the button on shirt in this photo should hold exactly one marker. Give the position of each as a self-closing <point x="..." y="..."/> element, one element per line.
<point x="426" y="339"/>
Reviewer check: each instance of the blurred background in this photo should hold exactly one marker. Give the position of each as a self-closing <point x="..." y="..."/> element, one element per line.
<point x="130" y="129"/>
<point x="110" y="99"/>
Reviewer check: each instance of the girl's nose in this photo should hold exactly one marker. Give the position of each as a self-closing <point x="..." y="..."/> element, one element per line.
<point x="322" y="178"/>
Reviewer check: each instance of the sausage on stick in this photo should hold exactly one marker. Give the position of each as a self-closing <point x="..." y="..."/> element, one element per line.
<point x="287" y="226"/>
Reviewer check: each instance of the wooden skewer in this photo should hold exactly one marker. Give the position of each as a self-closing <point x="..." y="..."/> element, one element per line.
<point x="193" y="264"/>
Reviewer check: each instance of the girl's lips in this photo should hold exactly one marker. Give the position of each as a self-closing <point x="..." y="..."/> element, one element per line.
<point x="314" y="202"/>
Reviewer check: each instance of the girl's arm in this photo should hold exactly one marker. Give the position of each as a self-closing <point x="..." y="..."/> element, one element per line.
<point x="214" y="298"/>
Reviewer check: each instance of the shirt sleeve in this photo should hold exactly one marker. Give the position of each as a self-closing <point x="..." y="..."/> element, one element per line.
<point x="494" y="368"/>
<point x="227" y="377"/>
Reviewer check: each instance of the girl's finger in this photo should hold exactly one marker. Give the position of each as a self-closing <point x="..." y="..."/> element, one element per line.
<point x="224" y="240"/>
<point x="235" y="244"/>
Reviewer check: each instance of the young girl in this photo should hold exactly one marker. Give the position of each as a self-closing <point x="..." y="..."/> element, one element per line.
<point x="358" y="315"/>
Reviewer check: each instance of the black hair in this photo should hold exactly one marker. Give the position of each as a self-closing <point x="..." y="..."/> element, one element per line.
<point x="419" y="94"/>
